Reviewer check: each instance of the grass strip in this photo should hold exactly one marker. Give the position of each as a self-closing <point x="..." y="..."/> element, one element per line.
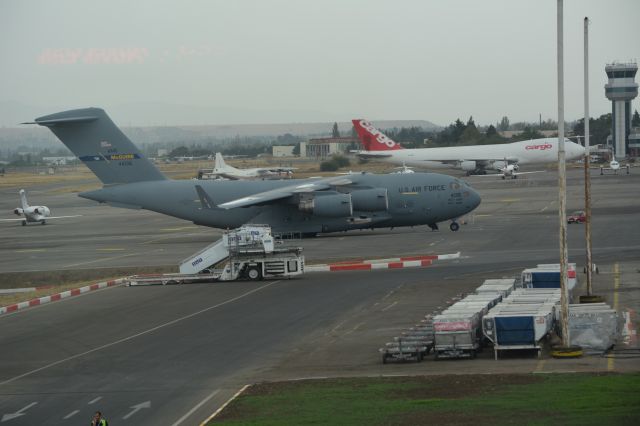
<point x="568" y="399"/>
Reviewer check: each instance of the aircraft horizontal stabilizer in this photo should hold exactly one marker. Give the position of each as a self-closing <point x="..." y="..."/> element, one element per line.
<point x="64" y="120"/>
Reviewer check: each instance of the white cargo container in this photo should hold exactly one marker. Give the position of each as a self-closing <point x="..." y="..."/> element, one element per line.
<point x="503" y="286"/>
<point x="522" y="319"/>
<point x="547" y="275"/>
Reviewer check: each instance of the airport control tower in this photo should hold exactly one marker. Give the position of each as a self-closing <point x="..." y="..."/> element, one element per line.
<point x="621" y="89"/>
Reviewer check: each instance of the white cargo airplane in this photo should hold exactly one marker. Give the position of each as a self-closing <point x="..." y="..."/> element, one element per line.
<point x="473" y="159"/>
<point x="223" y="170"/>
<point x="33" y="214"/>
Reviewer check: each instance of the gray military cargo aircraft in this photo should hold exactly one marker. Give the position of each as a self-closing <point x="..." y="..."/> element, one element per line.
<point x="304" y="206"/>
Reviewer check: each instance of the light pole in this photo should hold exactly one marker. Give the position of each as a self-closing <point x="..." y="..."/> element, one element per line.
<point x="562" y="187"/>
<point x="587" y="157"/>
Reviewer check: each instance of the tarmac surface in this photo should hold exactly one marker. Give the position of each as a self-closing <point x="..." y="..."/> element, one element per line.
<point x="174" y="354"/>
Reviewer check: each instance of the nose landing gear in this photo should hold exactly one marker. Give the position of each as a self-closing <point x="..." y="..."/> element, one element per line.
<point x="454" y="226"/>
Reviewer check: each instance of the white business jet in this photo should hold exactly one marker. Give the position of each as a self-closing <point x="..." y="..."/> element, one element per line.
<point x="614" y="166"/>
<point x="33" y="214"/>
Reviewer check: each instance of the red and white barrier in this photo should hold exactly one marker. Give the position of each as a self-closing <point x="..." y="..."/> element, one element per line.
<point x="59" y="296"/>
<point x="371" y="264"/>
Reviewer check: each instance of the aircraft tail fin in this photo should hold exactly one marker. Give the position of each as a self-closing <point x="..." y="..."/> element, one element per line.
<point x="23" y="199"/>
<point x="91" y="135"/>
<point x="219" y="163"/>
<point x="372" y="138"/>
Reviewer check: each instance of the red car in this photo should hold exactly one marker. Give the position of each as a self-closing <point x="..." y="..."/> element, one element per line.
<point x="577" y="217"/>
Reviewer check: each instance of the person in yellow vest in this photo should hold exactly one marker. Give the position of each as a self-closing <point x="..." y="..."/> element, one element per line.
<point x="98" y="420"/>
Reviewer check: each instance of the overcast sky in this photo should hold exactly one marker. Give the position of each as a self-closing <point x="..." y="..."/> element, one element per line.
<point x="295" y="60"/>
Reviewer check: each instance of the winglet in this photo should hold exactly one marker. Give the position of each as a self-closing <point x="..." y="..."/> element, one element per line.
<point x="205" y="200"/>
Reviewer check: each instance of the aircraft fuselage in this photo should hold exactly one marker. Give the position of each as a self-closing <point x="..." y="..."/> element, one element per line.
<point x="413" y="199"/>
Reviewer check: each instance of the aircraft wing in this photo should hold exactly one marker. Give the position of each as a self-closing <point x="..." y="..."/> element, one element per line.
<point x="45" y="218"/>
<point x="286" y="192"/>
<point x="528" y="173"/>
<point x="508" y="175"/>
<point x="373" y="154"/>
<point x="225" y="175"/>
<point x="278" y="169"/>
<point x="210" y="173"/>
<point x="484" y="160"/>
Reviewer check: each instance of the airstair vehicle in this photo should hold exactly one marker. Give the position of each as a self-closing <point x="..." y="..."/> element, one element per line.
<point x="249" y="252"/>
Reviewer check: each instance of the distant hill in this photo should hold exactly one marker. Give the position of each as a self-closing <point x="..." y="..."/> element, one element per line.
<point x="224" y="120"/>
<point x="13" y="135"/>
<point x="32" y="136"/>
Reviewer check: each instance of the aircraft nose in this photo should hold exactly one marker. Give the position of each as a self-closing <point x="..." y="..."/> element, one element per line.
<point x="474" y="199"/>
<point x="577" y="150"/>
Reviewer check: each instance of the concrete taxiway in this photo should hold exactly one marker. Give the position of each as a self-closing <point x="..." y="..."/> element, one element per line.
<point x="172" y="355"/>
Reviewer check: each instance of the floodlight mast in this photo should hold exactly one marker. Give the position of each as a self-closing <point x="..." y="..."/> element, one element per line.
<point x="562" y="187"/>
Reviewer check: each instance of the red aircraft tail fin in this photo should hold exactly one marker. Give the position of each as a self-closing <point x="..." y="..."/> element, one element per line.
<point x="372" y="138"/>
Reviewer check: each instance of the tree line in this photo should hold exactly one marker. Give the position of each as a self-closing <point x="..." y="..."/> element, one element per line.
<point x="459" y="133"/>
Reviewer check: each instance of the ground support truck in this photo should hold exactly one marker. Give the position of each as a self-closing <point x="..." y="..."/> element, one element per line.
<point x="249" y="252"/>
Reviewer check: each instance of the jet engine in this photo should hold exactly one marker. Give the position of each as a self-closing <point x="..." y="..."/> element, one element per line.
<point x="335" y="205"/>
<point x="370" y="200"/>
<point x="41" y="210"/>
<point x="18" y="211"/>
<point x="468" y="166"/>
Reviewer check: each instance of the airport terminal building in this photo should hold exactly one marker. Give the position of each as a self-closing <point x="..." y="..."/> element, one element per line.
<point x="326" y="147"/>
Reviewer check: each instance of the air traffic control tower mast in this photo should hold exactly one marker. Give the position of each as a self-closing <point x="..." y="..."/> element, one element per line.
<point x="621" y="89"/>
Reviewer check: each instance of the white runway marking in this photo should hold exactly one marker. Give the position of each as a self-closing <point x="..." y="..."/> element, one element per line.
<point x="142" y="333"/>
<point x="71" y="414"/>
<point x="390" y="306"/>
<point x="93" y="401"/>
<point x="193" y="410"/>
<point x="136" y="408"/>
<point x="18" y="413"/>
